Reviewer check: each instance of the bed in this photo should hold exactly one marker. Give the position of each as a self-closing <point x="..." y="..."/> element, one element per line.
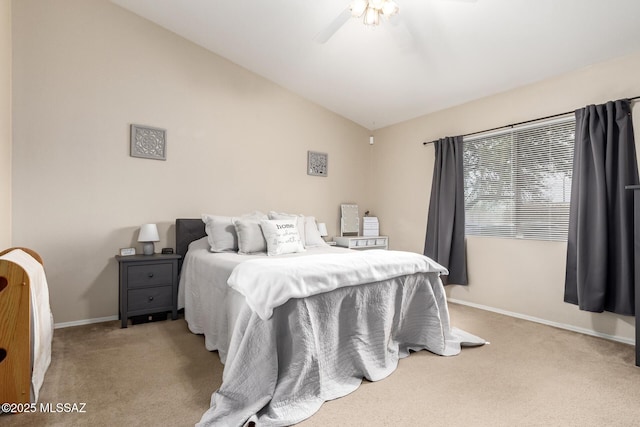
<point x="286" y="355"/>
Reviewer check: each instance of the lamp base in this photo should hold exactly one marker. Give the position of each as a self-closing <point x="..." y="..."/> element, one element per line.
<point x="148" y="248"/>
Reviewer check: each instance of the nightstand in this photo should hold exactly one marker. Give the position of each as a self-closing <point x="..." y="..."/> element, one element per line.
<point x="148" y="284"/>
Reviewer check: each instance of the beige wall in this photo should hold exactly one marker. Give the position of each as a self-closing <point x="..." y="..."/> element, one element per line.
<point x="84" y="70"/>
<point x="523" y="277"/>
<point x="5" y="124"/>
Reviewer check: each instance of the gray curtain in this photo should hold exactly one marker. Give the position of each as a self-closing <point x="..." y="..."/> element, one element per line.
<point x="600" y="270"/>
<point x="445" y="227"/>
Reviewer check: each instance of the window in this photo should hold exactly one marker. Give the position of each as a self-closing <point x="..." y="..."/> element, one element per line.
<point x="518" y="181"/>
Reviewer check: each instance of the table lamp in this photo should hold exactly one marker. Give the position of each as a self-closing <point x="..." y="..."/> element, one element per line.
<point x="148" y="235"/>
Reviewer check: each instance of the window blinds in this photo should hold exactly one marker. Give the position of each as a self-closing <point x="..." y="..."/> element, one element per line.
<point x="518" y="181"/>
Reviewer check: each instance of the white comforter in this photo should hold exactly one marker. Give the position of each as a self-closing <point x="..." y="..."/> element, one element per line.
<point x="268" y="283"/>
<point x="281" y="368"/>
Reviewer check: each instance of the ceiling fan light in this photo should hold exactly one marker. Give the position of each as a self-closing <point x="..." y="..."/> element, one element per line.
<point x="389" y="8"/>
<point x="371" y="17"/>
<point x="358" y="7"/>
<point x="372" y="9"/>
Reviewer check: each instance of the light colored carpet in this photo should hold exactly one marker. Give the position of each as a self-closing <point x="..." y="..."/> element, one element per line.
<point x="159" y="374"/>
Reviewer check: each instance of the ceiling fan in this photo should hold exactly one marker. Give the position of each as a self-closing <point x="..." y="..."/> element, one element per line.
<point x="369" y="10"/>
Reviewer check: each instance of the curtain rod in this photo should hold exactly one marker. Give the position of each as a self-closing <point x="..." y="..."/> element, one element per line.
<point x="522" y="123"/>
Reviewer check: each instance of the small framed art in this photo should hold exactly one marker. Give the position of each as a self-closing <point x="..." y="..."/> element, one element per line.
<point x="127" y="251"/>
<point x="148" y="142"/>
<point x="317" y="163"/>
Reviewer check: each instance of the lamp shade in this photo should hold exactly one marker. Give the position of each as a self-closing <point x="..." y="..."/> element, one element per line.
<point x="148" y="233"/>
<point x="322" y="228"/>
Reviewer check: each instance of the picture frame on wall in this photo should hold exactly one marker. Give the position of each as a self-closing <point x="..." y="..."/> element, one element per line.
<point x="317" y="163"/>
<point x="148" y="142"/>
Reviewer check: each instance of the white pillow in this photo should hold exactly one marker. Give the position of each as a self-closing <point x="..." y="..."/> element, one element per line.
<point x="250" y="237"/>
<point x="221" y="233"/>
<point x="299" y="223"/>
<point x="282" y="236"/>
<point x="312" y="234"/>
<point x="221" y="230"/>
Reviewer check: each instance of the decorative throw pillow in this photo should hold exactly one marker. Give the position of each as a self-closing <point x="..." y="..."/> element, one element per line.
<point x="221" y="233"/>
<point x="299" y="221"/>
<point x="282" y="236"/>
<point x="250" y="237"/>
<point x="313" y="237"/>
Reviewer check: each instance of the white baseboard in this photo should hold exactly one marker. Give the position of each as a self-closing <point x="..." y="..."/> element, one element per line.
<point x="84" y="322"/>
<point x="545" y="322"/>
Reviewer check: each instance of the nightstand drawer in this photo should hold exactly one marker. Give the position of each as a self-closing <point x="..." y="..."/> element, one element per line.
<point x="149" y="275"/>
<point x="150" y="298"/>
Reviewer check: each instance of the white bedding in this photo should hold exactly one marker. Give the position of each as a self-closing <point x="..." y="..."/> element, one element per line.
<point x="268" y="283"/>
<point x="279" y="370"/>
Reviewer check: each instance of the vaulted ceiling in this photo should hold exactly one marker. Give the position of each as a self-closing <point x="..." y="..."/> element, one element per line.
<point x="434" y="54"/>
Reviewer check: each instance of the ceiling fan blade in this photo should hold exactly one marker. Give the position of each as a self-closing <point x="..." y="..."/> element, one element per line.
<point x="324" y="35"/>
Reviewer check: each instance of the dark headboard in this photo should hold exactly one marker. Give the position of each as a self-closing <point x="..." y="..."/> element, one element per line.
<point x="188" y="230"/>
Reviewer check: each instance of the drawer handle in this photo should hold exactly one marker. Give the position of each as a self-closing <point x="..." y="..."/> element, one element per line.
<point x="150" y="275"/>
<point x="150" y="298"/>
